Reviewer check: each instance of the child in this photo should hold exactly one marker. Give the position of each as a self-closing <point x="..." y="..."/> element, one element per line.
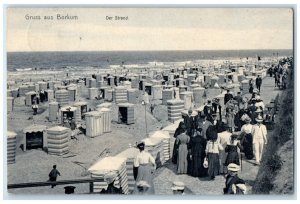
<point x="233" y="184"/>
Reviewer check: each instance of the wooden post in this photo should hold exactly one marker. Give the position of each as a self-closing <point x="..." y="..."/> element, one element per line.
<point x="91" y="187"/>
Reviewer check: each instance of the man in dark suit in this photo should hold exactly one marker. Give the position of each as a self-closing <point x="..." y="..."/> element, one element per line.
<point x="217" y="107"/>
<point x="189" y="123"/>
<point x="208" y="110"/>
<point x="258" y="82"/>
<point x="227" y="97"/>
<point x="239" y="99"/>
<point x="217" y="123"/>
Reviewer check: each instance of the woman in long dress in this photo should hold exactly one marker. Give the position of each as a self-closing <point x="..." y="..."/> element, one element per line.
<point x="197" y="155"/>
<point x="182" y="141"/>
<point x="146" y="165"/>
<point x="232" y="150"/>
<point x="230" y="119"/>
<point x="247" y="138"/>
<point x="178" y="131"/>
<point x="212" y="150"/>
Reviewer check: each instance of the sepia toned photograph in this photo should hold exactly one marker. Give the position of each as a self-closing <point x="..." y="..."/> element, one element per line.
<point x="170" y="101"/>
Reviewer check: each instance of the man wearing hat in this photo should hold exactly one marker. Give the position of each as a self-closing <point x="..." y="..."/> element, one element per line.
<point x="252" y="109"/>
<point x="208" y="110"/>
<point x="206" y="124"/>
<point x="259" y="133"/>
<point x="239" y="99"/>
<point x="189" y="123"/>
<point x="259" y="102"/>
<point x="217" y="123"/>
<point x="233" y="184"/>
<point x="258" y="82"/>
<point x="227" y="97"/>
<point x="216" y="107"/>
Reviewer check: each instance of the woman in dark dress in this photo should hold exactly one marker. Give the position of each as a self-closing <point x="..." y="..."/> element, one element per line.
<point x="213" y="148"/>
<point x="178" y="131"/>
<point x="247" y="139"/>
<point x="197" y="155"/>
<point x="232" y="150"/>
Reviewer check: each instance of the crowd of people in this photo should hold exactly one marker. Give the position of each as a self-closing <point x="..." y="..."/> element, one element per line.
<point x="280" y="73"/>
<point x="198" y="145"/>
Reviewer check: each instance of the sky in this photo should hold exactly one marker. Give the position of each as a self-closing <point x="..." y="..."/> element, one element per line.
<point x="149" y="29"/>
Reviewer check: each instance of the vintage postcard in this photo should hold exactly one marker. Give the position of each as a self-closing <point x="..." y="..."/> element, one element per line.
<point x="150" y="101"/>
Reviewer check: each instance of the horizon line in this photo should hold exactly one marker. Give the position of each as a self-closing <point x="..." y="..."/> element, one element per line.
<point x="148" y="50"/>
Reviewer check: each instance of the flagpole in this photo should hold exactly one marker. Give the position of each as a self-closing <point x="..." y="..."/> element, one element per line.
<point x="144" y="103"/>
<point x="146" y="121"/>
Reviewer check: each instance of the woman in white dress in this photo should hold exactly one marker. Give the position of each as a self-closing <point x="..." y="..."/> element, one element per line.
<point x="146" y="166"/>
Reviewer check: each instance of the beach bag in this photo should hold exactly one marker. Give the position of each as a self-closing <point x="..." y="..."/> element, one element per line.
<point x="205" y="163"/>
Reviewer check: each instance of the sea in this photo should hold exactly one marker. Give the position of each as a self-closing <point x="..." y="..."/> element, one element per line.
<point x="104" y="59"/>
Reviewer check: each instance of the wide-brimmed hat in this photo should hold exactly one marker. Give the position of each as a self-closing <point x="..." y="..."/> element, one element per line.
<point x="235" y="102"/>
<point x="247" y="119"/>
<point x="233" y="167"/>
<point x="178" y="185"/>
<point x="259" y="119"/>
<point x="255" y="90"/>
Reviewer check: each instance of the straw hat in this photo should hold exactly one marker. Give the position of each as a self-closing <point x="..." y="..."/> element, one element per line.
<point x="247" y="119"/>
<point x="259" y="119"/>
<point x="255" y="90"/>
<point x="233" y="167"/>
<point x="178" y="185"/>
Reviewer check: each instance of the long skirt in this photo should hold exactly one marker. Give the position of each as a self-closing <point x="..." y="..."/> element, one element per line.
<point x="175" y="153"/>
<point x="197" y="169"/>
<point x="248" y="146"/>
<point x="232" y="157"/>
<point x="144" y="174"/>
<point x="182" y="162"/>
<point x="213" y="164"/>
